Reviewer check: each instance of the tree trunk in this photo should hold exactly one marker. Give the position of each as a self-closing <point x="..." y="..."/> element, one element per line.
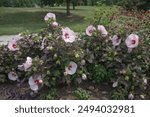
<point x="73" y="4"/>
<point x="68" y="7"/>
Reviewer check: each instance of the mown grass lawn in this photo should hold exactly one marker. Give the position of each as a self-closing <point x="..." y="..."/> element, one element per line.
<point x="15" y="20"/>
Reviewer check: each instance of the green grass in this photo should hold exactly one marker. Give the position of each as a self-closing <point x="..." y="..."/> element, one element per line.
<point x="15" y="20"/>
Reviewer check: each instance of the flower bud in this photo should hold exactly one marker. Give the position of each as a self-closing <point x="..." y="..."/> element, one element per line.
<point x="145" y="81"/>
<point x="84" y="77"/>
<point x="131" y="96"/>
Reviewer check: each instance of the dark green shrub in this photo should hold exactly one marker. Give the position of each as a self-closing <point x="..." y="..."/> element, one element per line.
<point x="81" y="94"/>
<point x="99" y="73"/>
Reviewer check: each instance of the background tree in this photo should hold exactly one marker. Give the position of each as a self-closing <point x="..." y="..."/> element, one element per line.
<point x="74" y="3"/>
<point x="68" y="7"/>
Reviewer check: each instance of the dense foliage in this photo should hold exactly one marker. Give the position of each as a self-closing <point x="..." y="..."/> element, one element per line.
<point x="117" y="53"/>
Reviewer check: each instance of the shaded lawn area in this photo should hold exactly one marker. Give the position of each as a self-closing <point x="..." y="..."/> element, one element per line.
<point x="15" y="20"/>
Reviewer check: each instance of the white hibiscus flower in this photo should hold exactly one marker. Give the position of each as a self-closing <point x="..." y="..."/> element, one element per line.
<point x="102" y="30"/>
<point x="12" y="45"/>
<point x="68" y="35"/>
<point x="90" y="30"/>
<point x="35" y="82"/>
<point x="71" y="68"/>
<point x="13" y="76"/>
<point x="132" y="41"/>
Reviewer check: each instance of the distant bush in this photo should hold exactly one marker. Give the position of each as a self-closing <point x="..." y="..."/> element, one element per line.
<point x="135" y="4"/>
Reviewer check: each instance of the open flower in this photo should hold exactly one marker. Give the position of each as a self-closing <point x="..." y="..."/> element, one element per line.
<point x="12" y="45"/>
<point x="12" y="76"/>
<point x="132" y="41"/>
<point x="35" y="82"/>
<point x="25" y="66"/>
<point x="116" y="40"/>
<point x="103" y="31"/>
<point x="68" y="35"/>
<point x="50" y="16"/>
<point x="71" y="68"/>
<point x="90" y="30"/>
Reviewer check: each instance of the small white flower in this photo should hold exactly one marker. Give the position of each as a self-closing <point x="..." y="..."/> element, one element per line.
<point x="68" y="35"/>
<point x="54" y="24"/>
<point x="131" y="96"/>
<point x="12" y="45"/>
<point x="50" y="16"/>
<point x="71" y="68"/>
<point x="145" y="81"/>
<point x="132" y="41"/>
<point x="142" y="96"/>
<point x="116" y="40"/>
<point x="84" y="77"/>
<point x="12" y="76"/>
<point x="103" y="31"/>
<point x="90" y="30"/>
<point x="115" y="84"/>
<point x="35" y="82"/>
<point x="25" y="66"/>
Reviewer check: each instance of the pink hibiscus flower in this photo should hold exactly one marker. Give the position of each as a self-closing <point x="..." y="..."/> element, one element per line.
<point x="90" y="30"/>
<point x="68" y="35"/>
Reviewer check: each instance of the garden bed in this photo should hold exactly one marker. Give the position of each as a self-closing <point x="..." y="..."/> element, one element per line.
<point x="14" y="92"/>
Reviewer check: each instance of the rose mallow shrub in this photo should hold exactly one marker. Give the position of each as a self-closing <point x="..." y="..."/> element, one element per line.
<point x="58" y="55"/>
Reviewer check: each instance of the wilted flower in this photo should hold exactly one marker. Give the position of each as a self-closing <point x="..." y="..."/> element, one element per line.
<point x="12" y="45"/>
<point x="50" y="16"/>
<point x="132" y="41"/>
<point x="130" y="96"/>
<point x="68" y="35"/>
<point x="71" y="68"/>
<point x="35" y="82"/>
<point x="54" y="24"/>
<point x="116" y="40"/>
<point x="12" y="76"/>
<point x="84" y="77"/>
<point x="103" y="31"/>
<point x="90" y="30"/>
<point x="25" y="66"/>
